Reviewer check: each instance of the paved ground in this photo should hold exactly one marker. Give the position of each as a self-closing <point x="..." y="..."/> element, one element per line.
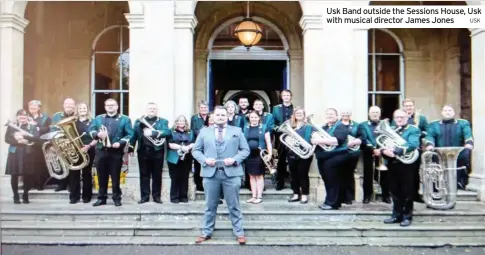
<point x="233" y="250"/>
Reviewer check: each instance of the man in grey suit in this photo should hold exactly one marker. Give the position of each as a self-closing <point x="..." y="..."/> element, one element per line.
<point x="221" y="150"/>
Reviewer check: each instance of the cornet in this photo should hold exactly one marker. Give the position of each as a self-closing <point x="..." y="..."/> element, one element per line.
<point x="106" y="142"/>
<point x="268" y="161"/>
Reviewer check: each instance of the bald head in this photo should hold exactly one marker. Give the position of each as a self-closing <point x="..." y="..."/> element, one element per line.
<point x="374" y="113"/>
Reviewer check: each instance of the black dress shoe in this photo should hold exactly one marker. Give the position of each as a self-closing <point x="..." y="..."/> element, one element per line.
<point x="184" y="200"/>
<point x="25" y="199"/>
<point x="117" y="203"/>
<point x="348" y="202"/>
<point x="405" y="223"/>
<point x="73" y="201"/>
<point x="280" y="186"/>
<point x="158" y="201"/>
<point x="386" y="200"/>
<point x="418" y="199"/>
<point x="87" y="200"/>
<point x="99" y="202"/>
<point x="143" y="201"/>
<point x="291" y="200"/>
<point x="366" y="201"/>
<point x="391" y="220"/>
<point x="221" y="202"/>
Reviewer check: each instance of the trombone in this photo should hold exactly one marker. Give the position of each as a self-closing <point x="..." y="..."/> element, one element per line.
<point x="106" y="142"/>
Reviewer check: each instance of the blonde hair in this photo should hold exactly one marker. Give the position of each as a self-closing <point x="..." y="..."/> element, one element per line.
<point x="186" y="128"/>
<point x="88" y="114"/>
<point x="293" y="117"/>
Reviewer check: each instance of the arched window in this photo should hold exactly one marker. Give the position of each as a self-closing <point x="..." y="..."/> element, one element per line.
<point x="110" y="69"/>
<point x="386" y="68"/>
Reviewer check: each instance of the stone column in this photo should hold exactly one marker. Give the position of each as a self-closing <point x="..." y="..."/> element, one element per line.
<point x="200" y="92"/>
<point x="11" y="73"/>
<point x="296" y="79"/>
<point x="184" y="64"/>
<point x="477" y="178"/>
<point x="452" y="79"/>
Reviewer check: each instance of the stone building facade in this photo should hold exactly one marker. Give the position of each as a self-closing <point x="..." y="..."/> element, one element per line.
<point x="164" y="51"/>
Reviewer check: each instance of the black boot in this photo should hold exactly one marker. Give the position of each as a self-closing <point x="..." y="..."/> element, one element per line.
<point x="25" y="197"/>
<point x="16" y="198"/>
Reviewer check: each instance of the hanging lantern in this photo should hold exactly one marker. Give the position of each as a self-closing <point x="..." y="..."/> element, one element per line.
<point x="248" y="32"/>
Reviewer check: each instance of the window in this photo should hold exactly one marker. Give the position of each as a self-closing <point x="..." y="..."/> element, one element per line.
<point x="386" y="79"/>
<point x="110" y="69"/>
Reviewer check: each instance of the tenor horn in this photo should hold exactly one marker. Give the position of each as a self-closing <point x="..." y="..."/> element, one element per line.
<point x="154" y="141"/>
<point x="295" y="142"/>
<point x="440" y="179"/>
<point x="389" y="139"/>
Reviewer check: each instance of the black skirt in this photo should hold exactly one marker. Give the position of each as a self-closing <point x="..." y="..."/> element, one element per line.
<point x="20" y="162"/>
<point x="254" y="164"/>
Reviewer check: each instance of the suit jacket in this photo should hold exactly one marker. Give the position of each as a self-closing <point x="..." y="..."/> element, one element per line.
<point x="235" y="144"/>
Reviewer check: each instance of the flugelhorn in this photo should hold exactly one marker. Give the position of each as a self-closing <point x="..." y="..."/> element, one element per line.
<point x="268" y="161"/>
<point x="322" y="133"/>
<point x="21" y="131"/>
<point x="389" y="139"/>
<point x="154" y="141"/>
<point x="106" y="142"/>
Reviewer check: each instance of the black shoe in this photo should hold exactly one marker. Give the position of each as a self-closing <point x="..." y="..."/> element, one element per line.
<point x="99" y="202"/>
<point x="117" y="203"/>
<point x="418" y="199"/>
<point x="348" y="202"/>
<point x="294" y="199"/>
<point x="87" y="200"/>
<point x="25" y="199"/>
<point x="221" y="202"/>
<point x="73" y="201"/>
<point x="280" y="186"/>
<point x="391" y="220"/>
<point x="175" y="201"/>
<point x="405" y="223"/>
<point x="142" y="201"/>
<point x="366" y="201"/>
<point x="157" y="200"/>
<point x="16" y="199"/>
<point x="184" y="200"/>
<point x="386" y="200"/>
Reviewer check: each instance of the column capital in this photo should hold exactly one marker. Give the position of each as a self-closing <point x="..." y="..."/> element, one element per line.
<point x="311" y="22"/>
<point x="136" y="20"/>
<point x="185" y="21"/>
<point x="11" y="20"/>
<point x="201" y="53"/>
<point x="476" y="31"/>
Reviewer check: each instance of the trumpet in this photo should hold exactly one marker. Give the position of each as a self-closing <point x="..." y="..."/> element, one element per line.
<point x="155" y="141"/>
<point x="268" y="161"/>
<point x="23" y="132"/>
<point x="355" y="147"/>
<point x="106" y="142"/>
<point x="322" y="133"/>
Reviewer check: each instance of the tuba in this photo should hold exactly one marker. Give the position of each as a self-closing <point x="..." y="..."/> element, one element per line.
<point x="322" y="133"/>
<point x="269" y="162"/>
<point x="23" y="132"/>
<point x="63" y="151"/>
<point x="295" y="142"/>
<point x="389" y="139"/>
<point x="439" y="179"/>
<point x="155" y="141"/>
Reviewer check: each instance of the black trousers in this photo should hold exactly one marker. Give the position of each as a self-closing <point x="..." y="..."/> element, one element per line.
<point x="463" y="160"/>
<point x="402" y="180"/>
<point x="108" y="163"/>
<point x="179" y="174"/>
<point x="150" y="164"/>
<point x="28" y="181"/>
<point x="87" y="180"/>
<point x="349" y="177"/>
<point x="331" y="170"/>
<point x="371" y="174"/>
<point x="197" y="178"/>
<point x="281" y="167"/>
<point x="299" y="168"/>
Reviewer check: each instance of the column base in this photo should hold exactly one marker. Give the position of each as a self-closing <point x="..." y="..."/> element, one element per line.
<point x="476" y="183"/>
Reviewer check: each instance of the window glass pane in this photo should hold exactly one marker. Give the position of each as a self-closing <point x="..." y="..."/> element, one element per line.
<point x="370" y="39"/>
<point x="387" y="71"/>
<point x="385" y="43"/>
<point x="370" y="75"/>
<point x="126" y="101"/>
<point x="124" y="61"/>
<point x="110" y="40"/>
<point x="101" y="97"/>
<point x="126" y="38"/>
<point x="106" y="71"/>
<point x="369" y="100"/>
<point x="387" y="103"/>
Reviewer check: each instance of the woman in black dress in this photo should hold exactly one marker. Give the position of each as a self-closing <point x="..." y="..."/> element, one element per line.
<point x="82" y="124"/>
<point x="42" y="122"/>
<point x="20" y="161"/>
<point x="258" y="139"/>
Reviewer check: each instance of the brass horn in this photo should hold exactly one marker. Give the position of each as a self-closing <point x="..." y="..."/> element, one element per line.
<point x="295" y="142"/>
<point x="389" y="139"/>
<point x="322" y="133"/>
<point x="155" y="141"/>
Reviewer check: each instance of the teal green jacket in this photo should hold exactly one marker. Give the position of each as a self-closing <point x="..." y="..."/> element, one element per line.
<point x="458" y="134"/>
<point x="421" y="123"/>
<point x="9" y="137"/>
<point x="123" y="133"/>
<point x="263" y="129"/>
<point x="161" y="131"/>
<point x="277" y="116"/>
<point x="412" y="136"/>
<point x="370" y="139"/>
<point x="267" y="120"/>
<point x="356" y="131"/>
<point x="196" y="124"/>
<point x="58" y="116"/>
<point x="339" y="131"/>
<point x="172" y="155"/>
<point x="237" y="121"/>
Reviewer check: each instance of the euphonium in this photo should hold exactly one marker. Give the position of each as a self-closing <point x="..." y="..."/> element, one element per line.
<point x="322" y="133"/>
<point x="355" y="147"/>
<point x="269" y="162"/>
<point x="106" y="142"/>
<point x="389" y="139"/>
<point x="155" y="141"/>
<point x="23" y="132"/>
<point x="63" y="151"/>
<point x="295" y="142"/>
<point x="439" y="179"/>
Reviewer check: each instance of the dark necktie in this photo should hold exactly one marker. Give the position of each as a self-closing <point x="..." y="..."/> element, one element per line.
<point x="219" y="134"/>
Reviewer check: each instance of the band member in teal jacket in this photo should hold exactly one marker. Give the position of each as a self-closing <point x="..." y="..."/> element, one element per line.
<point x="233" y="118"/>
<point x="452" y="132"/>
<point x="114" y="131"/>
<point x="197" y="122"/>
<point x="401" y="177"/>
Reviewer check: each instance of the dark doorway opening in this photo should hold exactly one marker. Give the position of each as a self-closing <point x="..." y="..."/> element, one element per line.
<point x="248" y="76"/>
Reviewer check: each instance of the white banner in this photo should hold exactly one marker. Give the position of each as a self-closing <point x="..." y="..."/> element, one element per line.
<point x="400" y="16"/>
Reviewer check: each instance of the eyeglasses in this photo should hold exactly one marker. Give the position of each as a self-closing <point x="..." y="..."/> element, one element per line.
<point x="400" y="117"/>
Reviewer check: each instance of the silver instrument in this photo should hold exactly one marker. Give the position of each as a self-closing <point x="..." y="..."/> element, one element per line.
<point x="270" y="163"/>
<point x="106" y="141"/>
<point x="440" y="179"/>
<point x="355" y="147"/>
<point x="155" y="141"/>
<point x="389" y="139"/>
<point x="181" y="153"/>
<point x="322" y="133"/>
<point x="23" y="132"/>
<point x="295" y="142"/>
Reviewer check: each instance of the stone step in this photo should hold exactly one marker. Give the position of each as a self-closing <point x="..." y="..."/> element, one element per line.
<point x="266" y="211"/>
<point x="245" y="194"/>
<point x="251" y="228"/>
<point x="430" y="242"/>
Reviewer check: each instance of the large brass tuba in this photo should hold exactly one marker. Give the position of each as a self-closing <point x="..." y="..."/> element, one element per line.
<point x="63" y="150"/>
<point x="439" y="179"/>
<point x="389" y="139"/>
<point x="155" y="141"/>
<point x="322" y="133"/>
<point x="295" y="142"/>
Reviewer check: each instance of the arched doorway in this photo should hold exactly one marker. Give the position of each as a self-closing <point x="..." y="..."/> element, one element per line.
<point x="254" y="72"/>
<point x="251" y="95"/>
